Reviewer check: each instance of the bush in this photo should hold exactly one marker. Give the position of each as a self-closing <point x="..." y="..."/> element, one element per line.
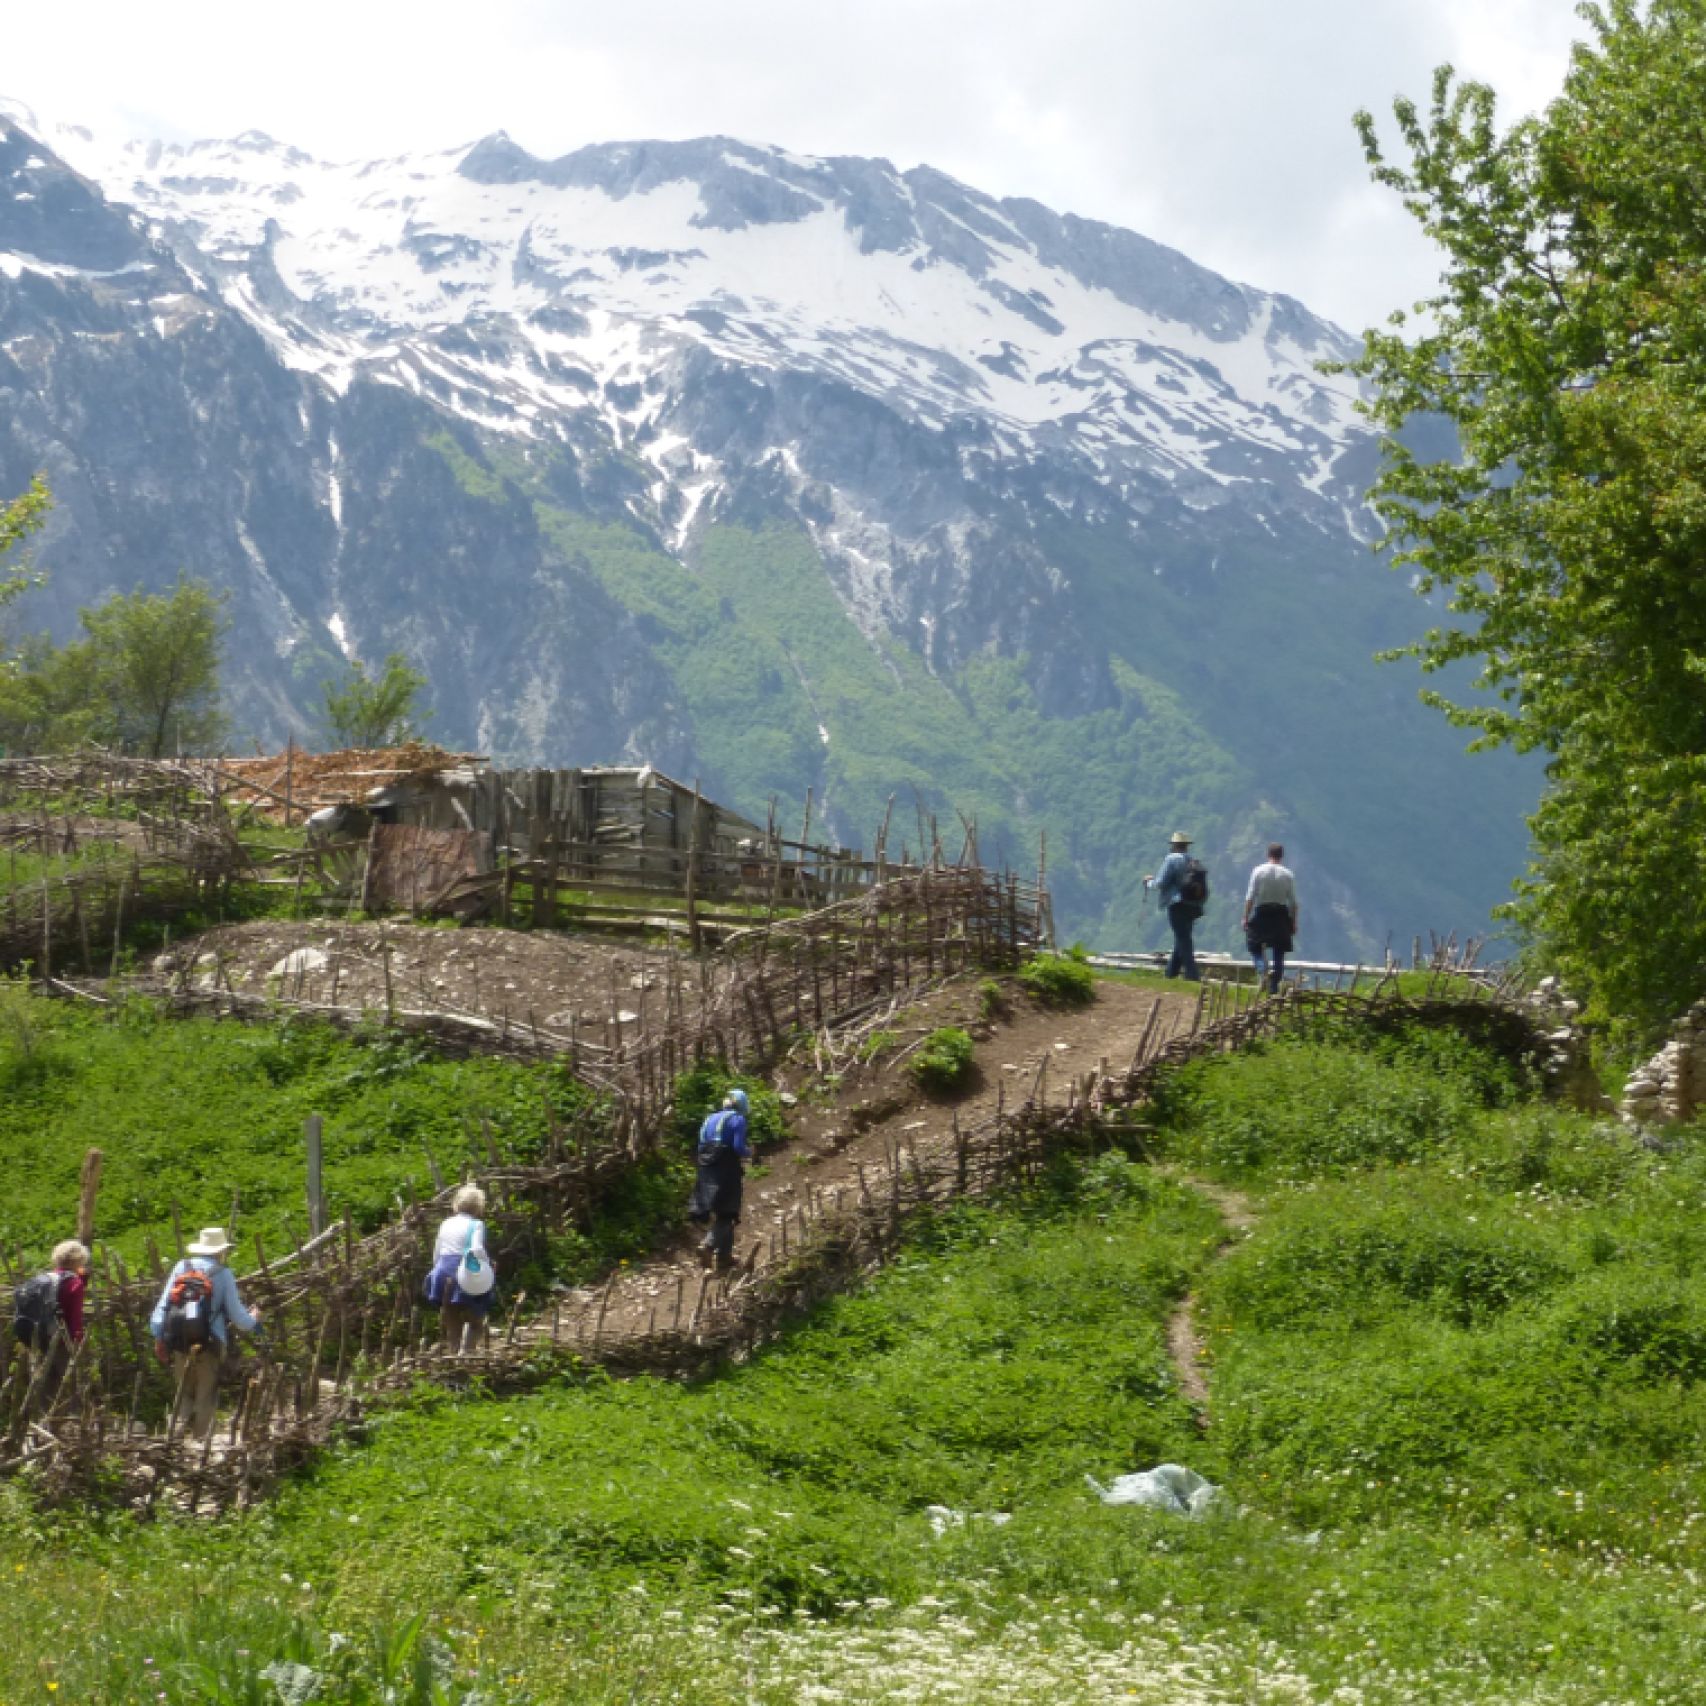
<point x="29" y="1055"/>
<point x="943" y="1063"/>
<point x="700" y="1091"/>
<point x="1304" y="1109"/>
<point x="1637" y="1326"/>
<point x="1350" y="1254"/>
<point x="1060" y="980"/>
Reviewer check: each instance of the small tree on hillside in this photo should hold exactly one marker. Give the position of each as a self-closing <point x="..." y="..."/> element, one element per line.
<point x="24" y="514"/>
<point x="152" y="661"/>
<point x="18" y="520"/>
<point x="368" y="711"/>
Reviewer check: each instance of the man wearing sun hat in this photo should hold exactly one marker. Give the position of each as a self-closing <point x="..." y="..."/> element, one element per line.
<point x="1173" y="885"/>
<point x="192" y="1321"/>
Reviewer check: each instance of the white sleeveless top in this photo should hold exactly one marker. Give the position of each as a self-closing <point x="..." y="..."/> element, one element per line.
<point x="452" y="1237"/>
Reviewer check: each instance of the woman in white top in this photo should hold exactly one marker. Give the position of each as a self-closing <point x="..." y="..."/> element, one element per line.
<point x="1270" y="917"/>
<point x="463" y="1317"/>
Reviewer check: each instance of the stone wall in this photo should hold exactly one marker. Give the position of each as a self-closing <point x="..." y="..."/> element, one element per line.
<point x="1566" y="1061"/>
<point x="1671" y="1087"/>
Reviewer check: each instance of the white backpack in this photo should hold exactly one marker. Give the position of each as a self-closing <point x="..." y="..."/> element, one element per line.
<point x="475" y="1275"/>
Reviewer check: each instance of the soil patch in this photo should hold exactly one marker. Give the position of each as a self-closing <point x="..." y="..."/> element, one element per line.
<point x="1185" y="1344"/>
<point x="512" y="977"/>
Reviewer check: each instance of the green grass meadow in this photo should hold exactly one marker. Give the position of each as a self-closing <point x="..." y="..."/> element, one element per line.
<point x="1455" y="1375"/>
<point x="207" y="1115"/>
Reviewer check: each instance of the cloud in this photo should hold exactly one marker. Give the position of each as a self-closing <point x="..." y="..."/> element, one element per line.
<point x="1221" y="126"/>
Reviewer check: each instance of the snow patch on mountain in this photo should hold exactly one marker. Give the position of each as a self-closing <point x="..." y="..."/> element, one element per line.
<point x="523" y="294"/>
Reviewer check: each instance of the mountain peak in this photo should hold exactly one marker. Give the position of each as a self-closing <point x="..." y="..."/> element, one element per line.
<point x="495" y="159"/>
<point x="910" y="287"/>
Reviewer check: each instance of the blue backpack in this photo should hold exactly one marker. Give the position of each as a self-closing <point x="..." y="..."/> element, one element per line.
<point x="712" y="1142"/>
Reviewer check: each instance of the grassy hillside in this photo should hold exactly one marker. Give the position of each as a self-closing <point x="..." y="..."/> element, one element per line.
<point x="1455" y="1400"/>
<point x="208" y="1116"/>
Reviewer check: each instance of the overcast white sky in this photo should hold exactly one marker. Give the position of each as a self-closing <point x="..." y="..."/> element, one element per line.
<point x="1220" y="126"/>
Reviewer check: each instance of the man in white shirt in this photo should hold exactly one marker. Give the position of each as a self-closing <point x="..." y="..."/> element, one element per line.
<point x="1270" y="916"/>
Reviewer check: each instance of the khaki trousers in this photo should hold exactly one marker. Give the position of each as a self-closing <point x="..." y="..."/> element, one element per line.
<point x="465" y="1329"/>
<point x="197" y="1375"/>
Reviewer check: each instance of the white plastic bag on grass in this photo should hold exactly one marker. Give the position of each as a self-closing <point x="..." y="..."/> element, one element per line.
<point x="1167" y="1487"/>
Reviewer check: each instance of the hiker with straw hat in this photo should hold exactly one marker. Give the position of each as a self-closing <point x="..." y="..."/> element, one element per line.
<point x="191" y="1325"/>
<point x="1181" y="885"/>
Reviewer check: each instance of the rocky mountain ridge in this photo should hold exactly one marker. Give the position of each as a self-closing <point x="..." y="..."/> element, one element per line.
<point x="782" y="472"/>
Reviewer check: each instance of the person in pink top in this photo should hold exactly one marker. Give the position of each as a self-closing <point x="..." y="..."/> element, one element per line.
<point x="70" y="1268"/>
<point x="71" y="1263"/>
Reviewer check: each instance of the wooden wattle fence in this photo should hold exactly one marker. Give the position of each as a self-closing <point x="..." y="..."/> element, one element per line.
<point x="345" y="1327"/>
<point x="339" y="1308"/>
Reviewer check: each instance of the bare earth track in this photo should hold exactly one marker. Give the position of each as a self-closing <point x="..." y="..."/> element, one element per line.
<point x="1185" y="1345"/>
<point x="508" y="976"/>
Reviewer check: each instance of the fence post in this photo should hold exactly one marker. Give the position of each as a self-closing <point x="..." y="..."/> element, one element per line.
<point x="86" y="1205"/>
<point x="693" y="940"/>
<point x="313" y="1130"/>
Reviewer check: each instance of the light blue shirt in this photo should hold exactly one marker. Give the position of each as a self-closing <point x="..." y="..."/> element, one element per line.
<point x="227" y="1305"/>
<point x="1170" y="878"/>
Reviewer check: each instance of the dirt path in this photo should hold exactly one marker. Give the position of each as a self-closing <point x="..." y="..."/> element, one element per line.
<point x="1185" y="1346"/>
<point x="851" y="1122"/>
<point x="852" y="1102"/>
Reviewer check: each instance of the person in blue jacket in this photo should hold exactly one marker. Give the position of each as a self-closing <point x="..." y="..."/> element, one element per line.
<point x="723" y="1149"/>
<point x="1182" y="911"/>
<point x="196" y="1364"/>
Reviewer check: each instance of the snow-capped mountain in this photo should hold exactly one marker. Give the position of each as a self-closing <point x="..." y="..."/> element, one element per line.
<point x="789" y="472"/>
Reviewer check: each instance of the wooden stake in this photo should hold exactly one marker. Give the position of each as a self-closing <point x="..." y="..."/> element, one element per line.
<point x="313" y="1132"/>
<point x="86" y="1203"/>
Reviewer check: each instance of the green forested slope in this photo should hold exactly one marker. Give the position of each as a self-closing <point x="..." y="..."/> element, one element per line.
<point x="1246" y="705"/>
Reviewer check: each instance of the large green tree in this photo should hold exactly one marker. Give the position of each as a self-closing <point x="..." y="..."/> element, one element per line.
<point x="1565" y="544"/>
<point x="152" y="663"/>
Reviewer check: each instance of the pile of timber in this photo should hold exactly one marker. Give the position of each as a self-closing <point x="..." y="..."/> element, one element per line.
<point x="287" y="786"/>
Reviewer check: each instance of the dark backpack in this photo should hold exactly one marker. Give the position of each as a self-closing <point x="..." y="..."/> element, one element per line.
<point x="1193" y="887"/>
<point x="35" y="1311"/>
<point x="189" y="1311"/>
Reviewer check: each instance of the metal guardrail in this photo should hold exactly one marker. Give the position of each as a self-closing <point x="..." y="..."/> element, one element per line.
<point x="1240" y="968"/>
